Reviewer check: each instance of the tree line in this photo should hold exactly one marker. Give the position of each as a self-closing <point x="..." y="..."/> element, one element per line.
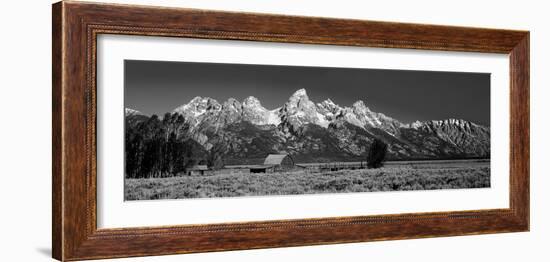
<point x="159" y="148"/>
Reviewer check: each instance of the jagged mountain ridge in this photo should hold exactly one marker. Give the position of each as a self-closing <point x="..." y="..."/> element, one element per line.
<point x="134" y="117"/>
<point x="324" y="131"/>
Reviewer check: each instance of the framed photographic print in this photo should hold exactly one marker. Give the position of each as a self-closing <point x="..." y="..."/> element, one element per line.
<point x="182" y="130"/>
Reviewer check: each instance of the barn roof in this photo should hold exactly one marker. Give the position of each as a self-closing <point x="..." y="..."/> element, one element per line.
<point x="276" y="159"/>
<point x="198" y="168"/>
<point x="260" y="166"/>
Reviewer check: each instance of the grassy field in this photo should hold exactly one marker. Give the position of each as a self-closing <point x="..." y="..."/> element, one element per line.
<point x="396" y="176"/>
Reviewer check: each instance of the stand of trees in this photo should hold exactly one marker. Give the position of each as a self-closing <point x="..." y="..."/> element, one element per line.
<point x="159" y="148"/>
<point x="377" y="154"/>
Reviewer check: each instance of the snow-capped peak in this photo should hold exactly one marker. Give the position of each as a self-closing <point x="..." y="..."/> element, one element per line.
<point x="198" y="107"/>
<point x="299" y="110"/>
<point x="254" y="112"/>
<point x="328" y="105"/>
<point x="252" y="102"/>
<point x="181" y="109"/>
<point x="131" y="112"/>
<point x="360" y="106"/>
<point x="454" y="121"/>
<point x="232" y="105"/>
<point x="196" y="100"/>
<point x="360" y="115"/>
<point x="300" y="99"/>
<point x="447" y="124"/>
<point x="329" y="110"/>
<point x="416" y="124"/>
<point x="450" y="122"/>
<point x="328" y="102"/>
<point x="300" y="93"/>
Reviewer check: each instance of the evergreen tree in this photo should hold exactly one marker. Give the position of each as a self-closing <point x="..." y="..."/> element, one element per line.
<point x="377" y="154"/>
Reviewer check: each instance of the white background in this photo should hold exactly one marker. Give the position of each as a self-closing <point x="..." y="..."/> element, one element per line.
<point x="25" y="147"/>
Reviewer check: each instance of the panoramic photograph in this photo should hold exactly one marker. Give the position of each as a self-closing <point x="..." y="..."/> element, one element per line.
<point x="211" y="130"/>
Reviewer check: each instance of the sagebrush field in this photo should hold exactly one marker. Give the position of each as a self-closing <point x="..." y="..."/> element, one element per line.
<point x="398" y="176"/>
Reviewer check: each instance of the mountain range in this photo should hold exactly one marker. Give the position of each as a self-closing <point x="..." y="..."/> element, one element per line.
<point x="318" y="132"/>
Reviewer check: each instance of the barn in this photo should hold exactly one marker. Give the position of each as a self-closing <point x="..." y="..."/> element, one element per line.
<point x="274" y="162"/>
<point x="197" y="170"/>
<point x="261" y="169"/>
<point x="279" y="161"/>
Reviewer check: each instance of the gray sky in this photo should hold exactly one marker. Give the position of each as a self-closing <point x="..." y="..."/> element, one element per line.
<point x="157" y="87"/>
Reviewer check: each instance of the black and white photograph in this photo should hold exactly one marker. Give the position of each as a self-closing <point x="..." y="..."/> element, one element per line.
<point x="210" y="130"/>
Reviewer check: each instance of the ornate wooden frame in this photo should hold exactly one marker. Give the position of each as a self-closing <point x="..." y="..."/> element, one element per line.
<point x="76" y="26"/>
